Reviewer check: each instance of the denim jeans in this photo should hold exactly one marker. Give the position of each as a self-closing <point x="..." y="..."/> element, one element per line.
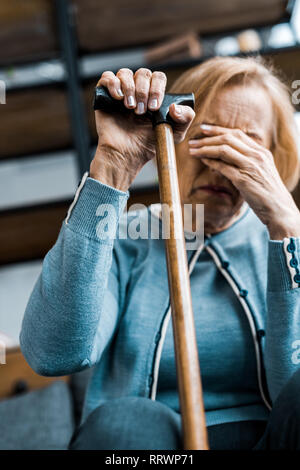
<point x="136" y="423"/>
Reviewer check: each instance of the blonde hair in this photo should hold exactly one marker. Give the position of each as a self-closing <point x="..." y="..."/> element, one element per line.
<point x="206" y="79"/>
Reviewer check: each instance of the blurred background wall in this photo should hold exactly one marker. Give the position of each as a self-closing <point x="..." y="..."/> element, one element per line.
<point x="52" y="53"/>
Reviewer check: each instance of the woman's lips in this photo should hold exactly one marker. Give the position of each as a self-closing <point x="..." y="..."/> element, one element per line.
<point x="220" y="191"/>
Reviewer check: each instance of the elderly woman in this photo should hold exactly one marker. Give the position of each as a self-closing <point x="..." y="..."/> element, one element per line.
<point x="103" y="301"/>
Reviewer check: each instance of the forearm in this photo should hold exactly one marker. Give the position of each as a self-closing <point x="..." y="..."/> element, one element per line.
<point x="284" y="220"/>
<point x="65" y="307"/>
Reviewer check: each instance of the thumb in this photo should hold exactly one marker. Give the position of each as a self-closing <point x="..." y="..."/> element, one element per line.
<point x="181" y="114"/>
<point x="183" y="117"/>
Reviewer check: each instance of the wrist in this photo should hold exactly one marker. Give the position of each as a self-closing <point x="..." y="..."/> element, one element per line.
<point x="283" y="220"/>
<point x="284" y="228"/>
<point x="107" y="167"/>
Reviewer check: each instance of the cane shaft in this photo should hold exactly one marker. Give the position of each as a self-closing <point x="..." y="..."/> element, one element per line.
<point x="186" y="352"/>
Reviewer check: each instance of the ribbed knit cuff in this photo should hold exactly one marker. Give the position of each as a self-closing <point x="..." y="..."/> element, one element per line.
<point x="96" y="210"/>
<point x="284" y="264"/>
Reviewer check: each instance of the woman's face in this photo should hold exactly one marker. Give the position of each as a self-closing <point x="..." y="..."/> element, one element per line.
<point x="244" y="107"/>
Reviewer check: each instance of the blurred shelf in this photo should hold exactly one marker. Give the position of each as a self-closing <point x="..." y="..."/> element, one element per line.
<point x="36" y="75"/>
<point x="37" y="180"/>
<point x="31" y="231"/>
<point x="28" y="30"/>
<point x="33" y="74"/>
<point x="117" y="24"/>
<point x="114" y="52"/>
<point x="35" y="120"/>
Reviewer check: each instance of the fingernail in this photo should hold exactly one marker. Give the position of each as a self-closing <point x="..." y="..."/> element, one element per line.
<point x="205" y="127"/>
<point x="130" y="101"/>
<point x="153" y="103"/>
<point x="178" y="109"/>
<point x="140" y="108"/>
<point x="193" y="142"/>
<point x="120" y="92"/>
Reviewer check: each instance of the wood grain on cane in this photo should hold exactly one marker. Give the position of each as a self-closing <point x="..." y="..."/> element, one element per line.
<point x="186" y="351"/>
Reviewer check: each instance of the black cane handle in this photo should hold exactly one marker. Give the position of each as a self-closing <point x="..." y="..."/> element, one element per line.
<point x="104" y="102"/>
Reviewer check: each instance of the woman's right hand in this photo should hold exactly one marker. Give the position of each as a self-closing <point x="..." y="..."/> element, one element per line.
<point x="127" y="142"/>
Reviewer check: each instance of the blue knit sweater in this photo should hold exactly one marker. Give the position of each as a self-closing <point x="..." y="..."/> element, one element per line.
<point x="104" y="301"/>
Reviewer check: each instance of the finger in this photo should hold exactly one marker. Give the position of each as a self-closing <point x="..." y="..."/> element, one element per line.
<point x="142" y="79"/>
<point x="226" y="139"/>
<point x="209" y="130"/>
<point x="112" y="83"/>
<point x="157" y="90"/>
<point x="183" y="117"/>
<point x="181" y="114"/>
<point x="128" y="87"/>
<point x="230" y="172"/>
<point x="222" y="152"/>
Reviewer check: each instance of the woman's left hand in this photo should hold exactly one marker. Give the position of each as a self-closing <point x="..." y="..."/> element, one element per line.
<point x="251" y="169"/>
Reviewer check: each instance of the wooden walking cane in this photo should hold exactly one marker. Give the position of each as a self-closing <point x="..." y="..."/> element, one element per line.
<point x="186" y="351"/>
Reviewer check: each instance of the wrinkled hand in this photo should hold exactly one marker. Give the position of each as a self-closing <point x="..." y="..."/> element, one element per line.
<point x="251" y="169"/>
<point x="127" y="142"/>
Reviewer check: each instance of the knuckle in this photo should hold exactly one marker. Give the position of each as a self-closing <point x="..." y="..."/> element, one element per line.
<point x="257" y="155"/>
<point x="243" y="175"/>
<point x="155" y="93"/>
<point x="224" y="149"/>
<point x="238" y="133"/>
<point x="107" y="73"/>
<point x="227" y="138"/>
<point x="141" y="93"/>
<point x="255" y="169"/>
<point x="128" y="89"/>
<point x="124" y="72"/>
<point x="144" y="72"/>
<point x="160" y="76"/>
<point x="110" y="81"/>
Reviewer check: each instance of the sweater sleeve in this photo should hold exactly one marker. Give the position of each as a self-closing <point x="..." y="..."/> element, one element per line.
<point x="282" y="347"/>
<point x="75" y="299"/>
